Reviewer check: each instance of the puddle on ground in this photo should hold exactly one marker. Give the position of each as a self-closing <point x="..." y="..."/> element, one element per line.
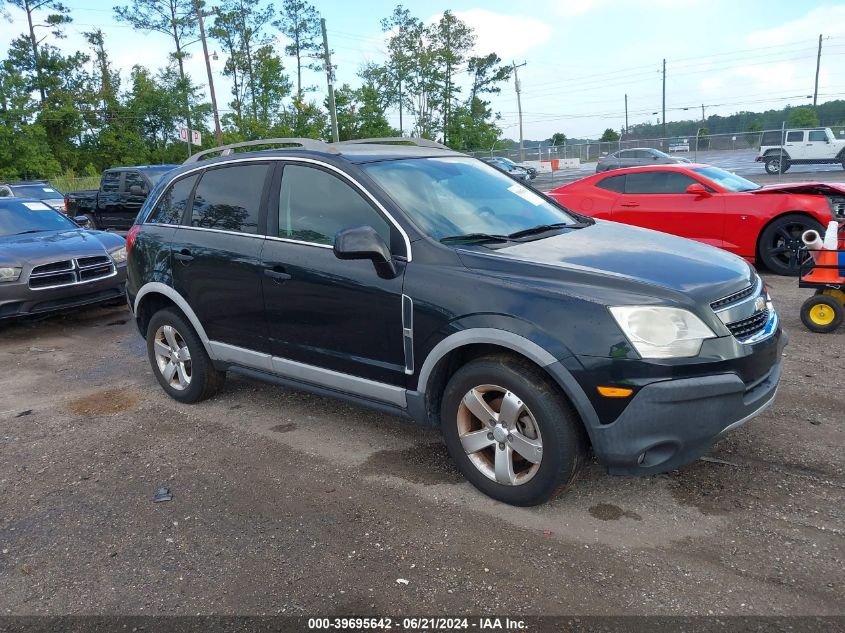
<point x="426" y="464"/>
<point x="610" y="512"/>
<point x="284" y="428"/>
<point x="106" y="402"/>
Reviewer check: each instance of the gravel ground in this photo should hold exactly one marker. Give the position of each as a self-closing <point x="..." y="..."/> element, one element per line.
<point x="285" y="502"/>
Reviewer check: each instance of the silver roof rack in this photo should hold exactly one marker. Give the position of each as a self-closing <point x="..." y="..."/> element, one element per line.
<point x="298" y="143"/>
<point x="387" y="140"/>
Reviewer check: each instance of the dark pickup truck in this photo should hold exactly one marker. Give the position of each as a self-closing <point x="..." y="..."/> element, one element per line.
<point x="122" y="192"/>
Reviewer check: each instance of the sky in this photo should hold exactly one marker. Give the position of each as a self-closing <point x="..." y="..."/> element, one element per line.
<point x="581" y="56"/>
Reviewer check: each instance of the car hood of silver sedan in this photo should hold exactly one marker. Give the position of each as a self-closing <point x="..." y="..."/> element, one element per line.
<point x="48" y="246"/>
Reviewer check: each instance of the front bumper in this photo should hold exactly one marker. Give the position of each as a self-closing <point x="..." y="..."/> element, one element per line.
<point x="17" y="299"/>
<point x="678" y="411"/>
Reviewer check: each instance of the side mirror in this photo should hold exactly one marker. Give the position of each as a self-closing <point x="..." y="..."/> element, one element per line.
<point x="363" y="242"/>
<point x="136" y="190"/>
<point x="697" y="189"/>
<point x="83" y="221"/>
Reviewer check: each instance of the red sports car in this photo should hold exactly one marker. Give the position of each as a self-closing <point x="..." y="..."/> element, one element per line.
<point x="711" y="205"/>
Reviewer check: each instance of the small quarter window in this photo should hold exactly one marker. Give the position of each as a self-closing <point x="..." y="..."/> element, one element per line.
<point x="172" y="205"/>
<point x="612" y="183"/>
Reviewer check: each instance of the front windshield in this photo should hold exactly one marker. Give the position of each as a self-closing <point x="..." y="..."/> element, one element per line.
<point x="41" y="192"/>
<point x="726" y="179"/>
<point x="456" y="196"/>
<point x="31" y="217"/>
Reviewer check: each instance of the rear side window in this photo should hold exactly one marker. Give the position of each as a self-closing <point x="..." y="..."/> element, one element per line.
<point x="613" y="183"/>
<point x="818" y="135"/>
<point x="133" y="178"/>
<point x="314" y="205"/>
<point x="794" y="137"/>
<point x="110" y="181"/>
<point x="229" y="198"/>
<point x="657" y="182"/>
<point x="172" y="205"/>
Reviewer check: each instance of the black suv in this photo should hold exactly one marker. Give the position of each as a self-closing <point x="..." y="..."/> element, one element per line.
<point x="422" y="282"/>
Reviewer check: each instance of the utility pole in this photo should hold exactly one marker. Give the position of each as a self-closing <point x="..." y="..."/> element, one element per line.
<point x="330" y="79"/>
<point x="818" y="64"/>
<point x="218" y="133"/>
<point x="703" y="120"/>
<point x="626" y="114"/>
<point x="664" y="98"/>
<point x="519" y="107"/>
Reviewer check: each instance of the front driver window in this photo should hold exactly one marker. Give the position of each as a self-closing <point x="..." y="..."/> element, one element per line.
<point x="314" y="205"/>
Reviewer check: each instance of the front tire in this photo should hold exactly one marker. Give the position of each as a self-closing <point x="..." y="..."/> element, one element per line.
<point x="179" y="360"/>
<point x="779" y="245"/>
<point x="511" y="431"/>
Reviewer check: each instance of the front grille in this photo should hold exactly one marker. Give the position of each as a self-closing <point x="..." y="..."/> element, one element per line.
<point x="69" y="272"/>
<point x="734" y="298"/>
<point x="750" y="326"/>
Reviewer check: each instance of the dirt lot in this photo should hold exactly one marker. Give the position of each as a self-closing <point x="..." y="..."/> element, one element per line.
<point x="289" y="503"/>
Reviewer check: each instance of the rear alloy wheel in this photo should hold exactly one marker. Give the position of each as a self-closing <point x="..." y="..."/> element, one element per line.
<point x="511" y="432"/>
<point x="780" y="246"/>
<point x="773" y="165"/>
<point x="179" y="360"/>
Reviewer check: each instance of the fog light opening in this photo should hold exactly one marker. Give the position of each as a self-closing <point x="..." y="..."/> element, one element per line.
<point x="657" y="454"/>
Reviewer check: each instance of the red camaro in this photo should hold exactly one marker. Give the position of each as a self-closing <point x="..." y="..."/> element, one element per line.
<point x="713" y="206"/>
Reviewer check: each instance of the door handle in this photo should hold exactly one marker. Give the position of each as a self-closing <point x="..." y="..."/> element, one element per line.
<point x="630" y="204"/>
<point x="184" y="256"/>
<point x="277" y="274"/>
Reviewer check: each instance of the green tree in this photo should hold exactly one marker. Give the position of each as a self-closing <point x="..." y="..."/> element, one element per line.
<point x="609" y="136"/>
<point x="558" y="138"/>
<point x="395" y="75"/>
<point x="300" y="22"/>
<point x="451" y="41"/>
<point x="175" y="19"/>
<point x="487" y="73"/>
<point x="803" y="116"/>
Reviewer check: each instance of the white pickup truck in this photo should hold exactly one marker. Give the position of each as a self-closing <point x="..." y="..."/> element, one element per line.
<point x="779" y="150"/>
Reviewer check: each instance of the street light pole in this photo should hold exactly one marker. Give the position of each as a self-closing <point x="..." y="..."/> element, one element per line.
<point x="218" y="133"/>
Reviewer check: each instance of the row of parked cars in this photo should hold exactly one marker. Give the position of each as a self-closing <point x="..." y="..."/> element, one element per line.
<point x="422" y="282"/>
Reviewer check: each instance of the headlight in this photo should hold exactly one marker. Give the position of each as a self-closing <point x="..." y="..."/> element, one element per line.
<point x="8" y="273"/>
<point x="119" y="255"/>
<point x="660" y="332"/>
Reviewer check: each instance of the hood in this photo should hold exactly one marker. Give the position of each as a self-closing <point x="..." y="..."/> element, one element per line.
<point x="608" y="254"/>
<point x="807" y="188"/>
<point x="40" y="248"/>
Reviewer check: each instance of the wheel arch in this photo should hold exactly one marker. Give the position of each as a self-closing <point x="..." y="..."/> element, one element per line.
<point x="462" y="347"/>
<point x="154" y="296"/>
<point x="779" y="216"/>
<point x="777" y="152"/>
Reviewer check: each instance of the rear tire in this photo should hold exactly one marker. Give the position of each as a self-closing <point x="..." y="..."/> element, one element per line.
<point x="179" y="360"/>
<point x="92" y="224"/>
<point x="522" y="411"/>
<point x="780" y="246"/>
<point x="822" y="314"/>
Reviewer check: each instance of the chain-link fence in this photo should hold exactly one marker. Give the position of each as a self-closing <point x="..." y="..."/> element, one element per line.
<point x="688" y="146"/>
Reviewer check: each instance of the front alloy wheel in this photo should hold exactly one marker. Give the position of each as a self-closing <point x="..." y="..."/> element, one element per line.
<point x="500" y="435"/>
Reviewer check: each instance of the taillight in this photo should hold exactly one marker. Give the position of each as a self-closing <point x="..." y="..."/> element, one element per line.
<point x="130" y="238"/>
<point x="66" y="209"/>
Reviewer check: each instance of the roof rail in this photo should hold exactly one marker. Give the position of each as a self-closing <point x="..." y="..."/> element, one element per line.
<point x="419" y="142"/>
<point x="303" y="143"/>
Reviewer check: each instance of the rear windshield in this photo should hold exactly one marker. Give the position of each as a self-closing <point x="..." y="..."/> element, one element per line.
<point x="30" y="217"/>
<point x="454" y="196"/>
<point x="41" y="192"/>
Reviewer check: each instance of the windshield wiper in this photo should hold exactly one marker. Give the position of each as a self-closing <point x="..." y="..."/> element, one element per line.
<point x="475" y="237"/>
<point x="542" y="228"/>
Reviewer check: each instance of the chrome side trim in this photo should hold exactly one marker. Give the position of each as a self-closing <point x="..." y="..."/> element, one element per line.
<point x="157" y="287"/>
<point x="319" y="376"/>
<point x="408" y="333"/>
<point x="491" y="336"/>
<point x="298" y="159"/>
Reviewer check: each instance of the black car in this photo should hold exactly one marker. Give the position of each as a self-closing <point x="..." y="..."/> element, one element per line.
<point x="422" y="282"/>
<point x="48" y="262"/>
<point x="115" y="205"/>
